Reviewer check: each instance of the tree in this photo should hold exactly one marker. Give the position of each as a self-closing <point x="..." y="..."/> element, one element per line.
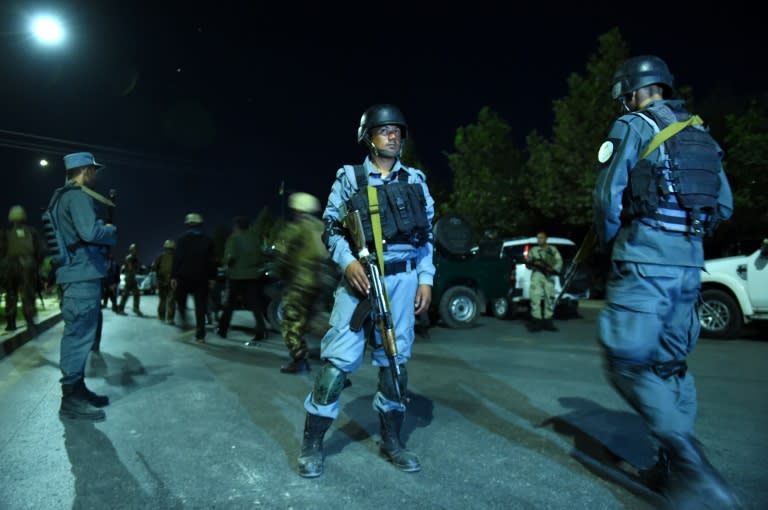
<point x="485" y="168"/>
<point x="560" y="172"/>
<point x="746" y="164"/>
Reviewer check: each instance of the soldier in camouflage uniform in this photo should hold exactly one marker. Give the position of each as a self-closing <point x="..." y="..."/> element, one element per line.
<point x="545" y="263"/>
<point x="162" y="265"/>
<point x="21" y="252"/>
<point x="131" y="267"/>
<point x="301" y="254"/>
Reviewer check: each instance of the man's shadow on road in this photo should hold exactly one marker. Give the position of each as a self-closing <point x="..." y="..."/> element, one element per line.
<point x="101" y="480"/>
<point x="614" y="445"/>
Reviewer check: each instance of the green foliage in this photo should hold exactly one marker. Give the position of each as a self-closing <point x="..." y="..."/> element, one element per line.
<point x="561" y="171"/>
<point x="485" y="168"/>
<point x="746" y="163"/>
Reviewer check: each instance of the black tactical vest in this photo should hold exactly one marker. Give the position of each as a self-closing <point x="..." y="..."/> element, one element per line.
<point x="679" y="192"/>
<point x="402" y="209"/>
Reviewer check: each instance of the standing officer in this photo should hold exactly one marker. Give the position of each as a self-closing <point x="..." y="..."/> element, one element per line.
<point x="661" y="187"/>
<point x="21" y="252"/>
<point x="130" y="269"/>
<point x="545" y="264"/>
<point x="162" y="266"/>
<point x="110" y="282"/>
<point x="85" y="240"/>
<point x="194" y="271"/>
<point x="407" y="276"/>
<point x="301" y="254"/>
<point x="244" y="259"/>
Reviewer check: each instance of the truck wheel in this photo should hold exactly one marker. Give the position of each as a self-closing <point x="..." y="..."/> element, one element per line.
<point x="459" y="307"/>
<point x="719" y="314"/>
<point x="275" y="314"/>
<point x="501" y="308"/>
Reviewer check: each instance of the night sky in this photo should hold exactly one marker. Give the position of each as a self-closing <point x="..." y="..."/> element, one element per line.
<point x="209" y="109"/>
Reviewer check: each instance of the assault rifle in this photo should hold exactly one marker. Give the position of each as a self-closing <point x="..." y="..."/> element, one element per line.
<point x="585" y="251"/>
<point x="538" y="265"/>
<point x="377" y="298"/>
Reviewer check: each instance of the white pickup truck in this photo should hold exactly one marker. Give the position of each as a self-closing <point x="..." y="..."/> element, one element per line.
<point x="734" y="292"/>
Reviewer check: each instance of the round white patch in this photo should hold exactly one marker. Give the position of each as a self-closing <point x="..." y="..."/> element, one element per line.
<point x="605" y="152"/>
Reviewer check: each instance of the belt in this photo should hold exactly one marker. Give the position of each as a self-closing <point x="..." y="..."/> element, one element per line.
<point x="399" y="267"/>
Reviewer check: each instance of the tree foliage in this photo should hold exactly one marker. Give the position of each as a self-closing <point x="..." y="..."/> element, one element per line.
<point x="746" y="163"/>
<point x="560" y="171"/>
<point x="485" y="168"/>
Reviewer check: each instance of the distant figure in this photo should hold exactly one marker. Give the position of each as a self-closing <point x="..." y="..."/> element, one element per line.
<point x="193" y="271"/>
<point x="244" y="262"/>
<point x="110" y="283"/>
<point x="660" y="189"/>
<point x="162" y="266"/>
<point x="300" y="258"/>
<point x="21" y="253"/>
<point x="545" y="263"/>
<point x="131" y="268"/>
<point x="83" y="265"/>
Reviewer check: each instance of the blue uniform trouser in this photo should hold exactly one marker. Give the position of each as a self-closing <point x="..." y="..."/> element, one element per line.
<point x="345" y="348"/>
<point x="650" y="319"/>
<point x="80" y="308"/>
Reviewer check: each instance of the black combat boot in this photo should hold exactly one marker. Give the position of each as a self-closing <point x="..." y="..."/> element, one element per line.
<point x="535" y="325"/>
<point x="75" y="405"/>
<point x="693" y="483"/>
<point x="10" y="324"/>
<point x="656" y="476"/>
<point x="94" y="399"/>
<point x="548" y="325"/>
<point x="311" y="457"/>
<point x="391" y="446"/>
<point x="296" y="366"/>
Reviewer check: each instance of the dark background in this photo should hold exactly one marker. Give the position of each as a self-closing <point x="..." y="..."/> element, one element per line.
<point x="209" y="108"/>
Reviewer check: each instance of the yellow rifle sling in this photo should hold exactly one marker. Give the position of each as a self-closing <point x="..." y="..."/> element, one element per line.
<point x="670" y="131"/>
<point x="373" y="206"/>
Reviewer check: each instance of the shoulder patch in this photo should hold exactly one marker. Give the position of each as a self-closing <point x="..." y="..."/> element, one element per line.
<point x="605" y="152"/>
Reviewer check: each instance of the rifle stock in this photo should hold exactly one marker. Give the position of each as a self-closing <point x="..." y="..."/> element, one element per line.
<point x="379" y="302"/>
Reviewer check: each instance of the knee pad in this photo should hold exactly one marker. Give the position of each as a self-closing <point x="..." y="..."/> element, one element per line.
<point x="328" y="385"/>
<point x="387" y="382"/>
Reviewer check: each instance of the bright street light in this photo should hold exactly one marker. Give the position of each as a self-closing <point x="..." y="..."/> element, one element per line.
<point x="48" y="30"/>
<point x="43" y="162"/>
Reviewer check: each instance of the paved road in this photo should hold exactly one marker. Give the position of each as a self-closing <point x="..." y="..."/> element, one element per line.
<point x="501" y="418"/>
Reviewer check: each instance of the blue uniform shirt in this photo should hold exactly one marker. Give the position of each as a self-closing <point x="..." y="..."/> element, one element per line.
<point x="86" y="235"/>
<point x="633" y="240"/>
<point x="345" y="186"/>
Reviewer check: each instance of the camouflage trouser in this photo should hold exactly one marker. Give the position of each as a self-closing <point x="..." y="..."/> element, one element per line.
<point x="131" y="287"/>
<point x="542" y="289"/>
<point x="298" y="302"/>
<point x="21" y="278"/>
<point x="166" y="307"/>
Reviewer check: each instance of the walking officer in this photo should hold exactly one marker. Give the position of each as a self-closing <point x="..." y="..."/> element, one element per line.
<point x="301" y="254"/>
<point x="545" y="263"/>
<point x="162" y="266"/>
<point x="130" y="269"/>
<point x="660" y="189"/>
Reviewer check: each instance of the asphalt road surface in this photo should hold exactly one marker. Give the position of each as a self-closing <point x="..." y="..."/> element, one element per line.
<point x="501" y="418"/>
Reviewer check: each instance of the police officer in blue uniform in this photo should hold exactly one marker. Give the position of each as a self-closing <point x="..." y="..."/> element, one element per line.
<point x="660" y="189"/>
<point x="86" y="238"/>
<point x="408" y="276"/>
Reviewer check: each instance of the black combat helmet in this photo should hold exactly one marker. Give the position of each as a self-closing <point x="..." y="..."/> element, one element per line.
<point x="638" y="72"/>
<point x="381" y="115"/>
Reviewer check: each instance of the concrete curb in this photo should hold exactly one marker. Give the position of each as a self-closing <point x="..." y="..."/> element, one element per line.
<point x="10" y="343"/>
